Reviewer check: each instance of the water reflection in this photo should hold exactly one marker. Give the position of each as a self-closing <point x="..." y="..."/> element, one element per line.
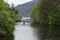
<point x="6" y="38"/>
<point x="30" y="32"/>
<point x="33" y="32"/>
<point x="24" y="32"/>
<point x="41" y="31"/>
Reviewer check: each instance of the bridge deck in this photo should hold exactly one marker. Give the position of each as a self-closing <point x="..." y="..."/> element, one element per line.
<point x="26" y="19"/>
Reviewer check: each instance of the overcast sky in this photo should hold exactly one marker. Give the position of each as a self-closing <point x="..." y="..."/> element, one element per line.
<point x="17" y="2"/>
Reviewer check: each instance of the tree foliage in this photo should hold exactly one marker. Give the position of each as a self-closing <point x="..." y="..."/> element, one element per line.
<point x="7" y="16"/>
<point x="48" y="13"/>
<point x="35" y="14"/>
<point x="17" y="16"/>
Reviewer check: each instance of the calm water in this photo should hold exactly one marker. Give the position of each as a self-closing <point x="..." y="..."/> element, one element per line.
<point x="29" y="32"/>
<point x="24" y="32"/>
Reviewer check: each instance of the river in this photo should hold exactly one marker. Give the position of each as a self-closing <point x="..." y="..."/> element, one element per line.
<point x="29" y="32"/>
<point x="26" y="32"/>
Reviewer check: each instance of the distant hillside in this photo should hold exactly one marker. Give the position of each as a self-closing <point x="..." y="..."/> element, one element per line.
<point x="24" y="9"/>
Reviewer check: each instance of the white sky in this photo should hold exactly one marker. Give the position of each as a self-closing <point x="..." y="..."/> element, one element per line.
<point x="17" y="2"/>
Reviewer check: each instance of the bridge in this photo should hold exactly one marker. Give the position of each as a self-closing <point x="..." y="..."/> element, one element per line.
<point x="26" y="19"/>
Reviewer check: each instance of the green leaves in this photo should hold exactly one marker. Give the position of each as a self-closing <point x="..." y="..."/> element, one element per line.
<point x="35" y="13"/>
<point x="48" y="12"/>
<point x="7" y="20"/>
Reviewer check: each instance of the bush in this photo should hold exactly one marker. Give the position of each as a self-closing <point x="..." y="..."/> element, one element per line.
<point x="49" y="14"/>
<point x="6" y="18"/>
<point x="35" y="14"/>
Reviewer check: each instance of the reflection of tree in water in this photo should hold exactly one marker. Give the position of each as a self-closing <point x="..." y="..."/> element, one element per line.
<point x="41" y="31"/>
<point x="56" y="32"/>
<point x="44" y="32"/>
<point x="6" y="38"/>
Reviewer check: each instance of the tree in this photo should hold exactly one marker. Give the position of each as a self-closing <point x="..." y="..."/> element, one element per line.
<point x="6" y="18"/>
<point x="49" y="14"/>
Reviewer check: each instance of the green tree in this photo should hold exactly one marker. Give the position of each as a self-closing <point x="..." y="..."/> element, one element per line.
<point x="35" y="14"/>
<point x="7" y="16"/>
<point x="49" y="14"/>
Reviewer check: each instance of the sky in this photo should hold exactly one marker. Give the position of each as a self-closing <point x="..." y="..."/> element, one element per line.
<point x="17" y="2"/>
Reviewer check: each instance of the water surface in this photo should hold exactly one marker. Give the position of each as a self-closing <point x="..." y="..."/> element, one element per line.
<point x="31" y="32"/>
<point x="24" y="32"/>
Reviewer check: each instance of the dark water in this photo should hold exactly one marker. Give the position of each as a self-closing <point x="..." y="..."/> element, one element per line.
<point x="6" y="38"/>
<point x="32" y="32"/>
<point x="41" y="31"/>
